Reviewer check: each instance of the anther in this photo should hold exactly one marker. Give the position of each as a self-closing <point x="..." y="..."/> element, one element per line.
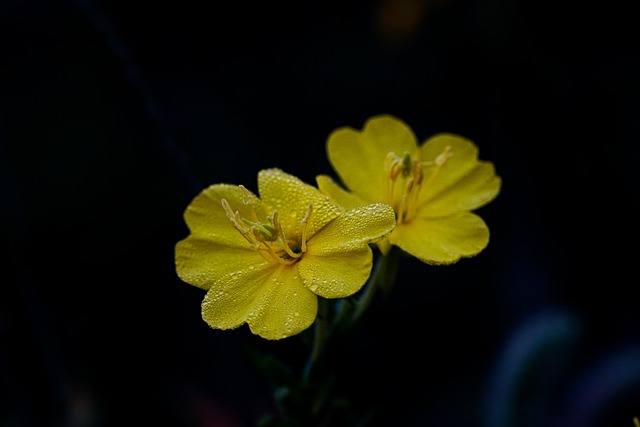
<point x="444" y="156"/>
<point x="304" y="223"/>
<point x="393" y="164"/>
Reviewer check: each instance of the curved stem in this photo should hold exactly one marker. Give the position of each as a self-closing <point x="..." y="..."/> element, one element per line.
<point x="345" y="306"/>
<point x="382" y="279"/>
<point x="320" y="337"/>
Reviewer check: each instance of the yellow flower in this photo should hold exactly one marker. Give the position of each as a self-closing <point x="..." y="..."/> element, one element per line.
<point x="432" y="187"/>
<point x="264" y="261"/>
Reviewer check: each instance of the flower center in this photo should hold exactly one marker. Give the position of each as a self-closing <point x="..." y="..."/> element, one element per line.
<point x="268" y="237"/>
<point x="406" y="181"/>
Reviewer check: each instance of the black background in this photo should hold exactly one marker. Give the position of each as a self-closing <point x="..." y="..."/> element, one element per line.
<point x="114" y="115"/>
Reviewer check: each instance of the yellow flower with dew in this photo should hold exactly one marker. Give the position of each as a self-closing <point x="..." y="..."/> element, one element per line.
<point x="264" y="261"/>
<point x="433" y="187"/>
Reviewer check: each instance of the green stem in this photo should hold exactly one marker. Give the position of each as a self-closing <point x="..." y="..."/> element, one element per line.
<point x="345" y="306"/>
<point x="382" y="278"/>
<point x="320" y="337"/>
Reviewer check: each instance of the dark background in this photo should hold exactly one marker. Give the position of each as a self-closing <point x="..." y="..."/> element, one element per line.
<point x="114" y="115"/>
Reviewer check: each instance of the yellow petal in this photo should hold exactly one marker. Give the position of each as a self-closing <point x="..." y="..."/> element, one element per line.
<point x="272" y="300"/>
<point x="338" y="259"/>
<point x="358" y="157"/>
<point x="214" y="248"/>
<point x="476" y="189"/>
<point x="231" y="298"/>
<point x="442" y="240"/>
<point x="292" y="197"/>
<point x="353" y="229"/>
<point x="329" y="187"/>
<point x="462" y="183"/>
<point x="336" y="276"/>
<point x="201" y="261"/>
<point x="206" y="217"/>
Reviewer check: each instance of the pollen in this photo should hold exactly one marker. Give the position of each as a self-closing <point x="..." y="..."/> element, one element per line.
<point x="267" y="236"/>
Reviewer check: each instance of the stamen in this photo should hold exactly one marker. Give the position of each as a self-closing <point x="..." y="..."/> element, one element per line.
<point x="304" y="223"/>
<point x="237" y="222"/>
<point x="393" y="166"/>
<point x="439" y="162"/>
<point x="282" y="238"/>
<point x="230" y="214"/>
<point x="247" y="199"/>
<point x="275" y="256"/>
<point x="416" y="171"/>
<point x="444" y="156"/>
<point x="417" y="175"/>
<point x="261" y="236"/>
<point x="405" y="199"/>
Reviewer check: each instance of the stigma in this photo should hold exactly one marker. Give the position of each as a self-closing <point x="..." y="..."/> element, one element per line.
<point x="267" y="236"/>
<point x="408" y="178"/>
